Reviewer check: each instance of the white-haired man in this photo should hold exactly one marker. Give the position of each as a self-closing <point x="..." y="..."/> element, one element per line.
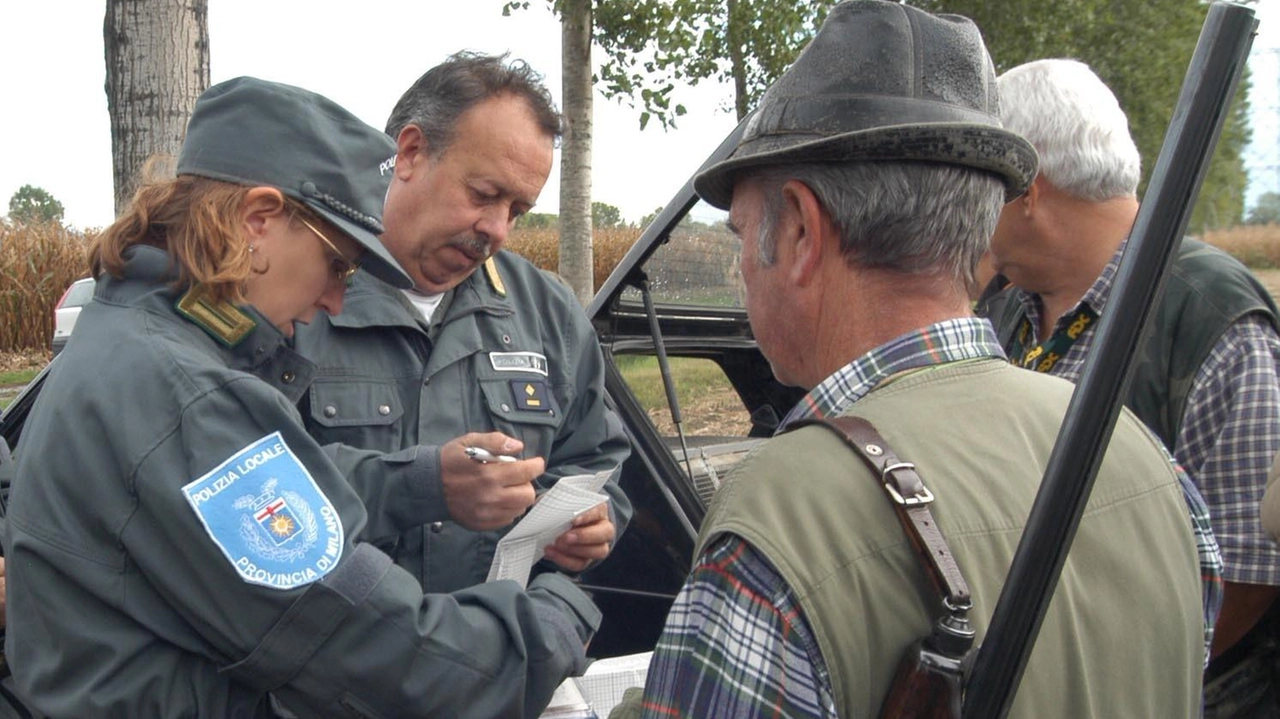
<point x="1206" y="379"/>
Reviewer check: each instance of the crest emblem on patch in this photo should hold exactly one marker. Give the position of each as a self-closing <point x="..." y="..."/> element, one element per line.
<point x="268" y="516"/>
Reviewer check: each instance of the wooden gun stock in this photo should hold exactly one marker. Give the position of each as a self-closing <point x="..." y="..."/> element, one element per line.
<point x="929" y="682"/>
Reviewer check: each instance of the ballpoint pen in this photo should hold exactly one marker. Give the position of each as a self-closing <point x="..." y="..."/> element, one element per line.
<point x="484" y="456"/>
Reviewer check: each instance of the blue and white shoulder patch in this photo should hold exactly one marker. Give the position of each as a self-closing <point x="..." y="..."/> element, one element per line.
<point x="267" y="515"/>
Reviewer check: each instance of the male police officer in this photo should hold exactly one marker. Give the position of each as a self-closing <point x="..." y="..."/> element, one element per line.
<point x="486" y="350"/>
<point x="864" y="191"/>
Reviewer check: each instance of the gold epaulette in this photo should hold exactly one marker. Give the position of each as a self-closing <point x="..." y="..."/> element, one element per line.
<point x="495" y="279"/>
<point x="222" y="320"/>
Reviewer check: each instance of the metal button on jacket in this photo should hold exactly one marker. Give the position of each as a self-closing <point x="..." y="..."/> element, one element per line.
<point x="330" y="411"/>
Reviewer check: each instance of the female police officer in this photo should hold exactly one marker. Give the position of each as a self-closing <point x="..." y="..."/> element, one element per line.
<point x="177" y="545"/>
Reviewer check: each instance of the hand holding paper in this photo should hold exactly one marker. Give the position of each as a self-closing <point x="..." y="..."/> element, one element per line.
<point x="588" y="540"/>
<point x="573" y="503"/>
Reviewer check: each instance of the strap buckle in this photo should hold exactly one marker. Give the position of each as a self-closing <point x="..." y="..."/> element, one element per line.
<point x="921" y="496"/>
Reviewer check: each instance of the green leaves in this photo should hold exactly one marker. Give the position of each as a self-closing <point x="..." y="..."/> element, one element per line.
<point x="32" y="205"/>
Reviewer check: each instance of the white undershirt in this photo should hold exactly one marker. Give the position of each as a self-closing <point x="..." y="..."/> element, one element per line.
<point x="426" y="304"/>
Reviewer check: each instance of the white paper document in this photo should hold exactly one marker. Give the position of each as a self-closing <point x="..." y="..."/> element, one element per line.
<point x="600" y="689"/>
<point x="550" y="516"/>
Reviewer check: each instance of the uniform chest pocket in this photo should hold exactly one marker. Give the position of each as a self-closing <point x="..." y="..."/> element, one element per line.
<point x="516" y="399"/>
<point x="355" y="403"/>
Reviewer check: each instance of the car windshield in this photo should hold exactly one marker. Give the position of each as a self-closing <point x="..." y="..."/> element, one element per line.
<point x="697" y="266"/>
<point x="79" y="294"/>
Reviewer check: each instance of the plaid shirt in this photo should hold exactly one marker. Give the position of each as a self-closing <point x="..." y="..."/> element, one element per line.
<point x="735" y="642"/>
<point x="1230" y="428"/>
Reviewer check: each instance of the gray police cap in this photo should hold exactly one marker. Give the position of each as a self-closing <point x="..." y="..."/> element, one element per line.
<point x="251" y="131"/>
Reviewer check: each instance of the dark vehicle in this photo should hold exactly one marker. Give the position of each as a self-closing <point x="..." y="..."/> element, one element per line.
<point x="674" y="332"/>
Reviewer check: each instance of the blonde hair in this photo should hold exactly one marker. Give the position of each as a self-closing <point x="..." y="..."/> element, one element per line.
<point x="196" y="220"/>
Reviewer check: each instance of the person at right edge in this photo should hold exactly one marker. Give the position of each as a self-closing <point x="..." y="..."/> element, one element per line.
<point x="1205" y="380"/>
<point x="864" y="190"/>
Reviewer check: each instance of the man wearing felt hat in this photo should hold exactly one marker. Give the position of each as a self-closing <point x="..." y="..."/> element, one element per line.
<point x="864" y="191"/>
<point x="178" y="545"/>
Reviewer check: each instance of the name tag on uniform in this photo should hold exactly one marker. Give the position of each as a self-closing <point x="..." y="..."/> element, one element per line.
<point x="268" y="516"/>
<point x="519" y="362"/>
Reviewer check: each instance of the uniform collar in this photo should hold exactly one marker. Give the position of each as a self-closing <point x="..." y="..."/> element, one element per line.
<point x="149" y="274"/>
<point x="368" y="300"/>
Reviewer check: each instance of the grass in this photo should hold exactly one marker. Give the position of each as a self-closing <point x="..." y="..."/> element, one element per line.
<point x="694" y="379"/>
<point x="19" y="377"/>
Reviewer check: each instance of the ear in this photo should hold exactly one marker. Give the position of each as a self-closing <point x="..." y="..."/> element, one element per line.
<point x="804" y="216"/>
<point x="411" y="151"/>
<point x="260" y="206"/>
<point x="1030" y="200"/>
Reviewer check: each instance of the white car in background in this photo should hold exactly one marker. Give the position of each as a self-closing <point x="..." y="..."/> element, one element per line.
<point x="68" y="309"/>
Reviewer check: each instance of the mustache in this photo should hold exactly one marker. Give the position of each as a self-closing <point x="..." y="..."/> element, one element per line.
<point x="474" y="246"/>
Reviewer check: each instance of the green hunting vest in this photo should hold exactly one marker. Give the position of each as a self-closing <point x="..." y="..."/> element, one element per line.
<point x="1124" y="633"/>
<point x="1205" y="292"/>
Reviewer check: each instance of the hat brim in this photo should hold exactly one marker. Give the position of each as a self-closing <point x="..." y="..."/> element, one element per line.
<point x="377" y="261"/>
<point x="982" y="147"/>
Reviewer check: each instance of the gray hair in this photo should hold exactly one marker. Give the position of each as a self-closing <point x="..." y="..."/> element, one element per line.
<point x="437" y="99"/>
<point x="910" y="217"/>
<point x="1076" y="124"/>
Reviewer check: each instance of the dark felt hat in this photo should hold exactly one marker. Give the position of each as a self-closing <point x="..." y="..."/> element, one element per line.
<point x="882" y="81"/>
<point x="250" y="131"/>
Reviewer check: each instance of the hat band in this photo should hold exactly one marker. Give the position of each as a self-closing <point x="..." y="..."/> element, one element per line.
<point x="368" y="222"/>
<point x="843" y="114"/>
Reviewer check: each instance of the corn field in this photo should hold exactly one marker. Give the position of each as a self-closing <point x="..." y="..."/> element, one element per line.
<point x="37" y="263"/>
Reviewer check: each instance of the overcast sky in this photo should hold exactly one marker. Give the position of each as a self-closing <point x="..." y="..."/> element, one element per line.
<point x="55" y="134"/>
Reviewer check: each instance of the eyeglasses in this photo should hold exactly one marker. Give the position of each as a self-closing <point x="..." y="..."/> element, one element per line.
<point x="344" y="268"/>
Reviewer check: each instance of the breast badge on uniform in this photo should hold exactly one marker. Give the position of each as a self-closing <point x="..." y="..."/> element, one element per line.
<point x="519" y="362"/>
<point x="531" y="395"/>
<point x="268" y="516"/>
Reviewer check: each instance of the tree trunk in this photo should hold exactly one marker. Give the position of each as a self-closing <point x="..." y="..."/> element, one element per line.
<point x="737" y="61"/>
<point x="157" y="55"/>
<point x="575" y="154"/>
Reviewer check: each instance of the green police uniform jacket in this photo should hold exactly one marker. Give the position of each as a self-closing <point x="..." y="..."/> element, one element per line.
<point x="179" y="546"/>
<point x="510" y="350"/>
<point x="1124" y="634"/>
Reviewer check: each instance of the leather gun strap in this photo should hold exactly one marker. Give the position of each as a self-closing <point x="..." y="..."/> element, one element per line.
<point x="910" y="499"/>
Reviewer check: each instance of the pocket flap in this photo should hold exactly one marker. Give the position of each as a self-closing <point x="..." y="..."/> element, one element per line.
<point x="351" y="403"/>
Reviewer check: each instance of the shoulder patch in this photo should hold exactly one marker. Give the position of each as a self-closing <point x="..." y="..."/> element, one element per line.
<point x="268" y="516"/>
<point x="495" y="279"/>
<point x="222" y="320"/>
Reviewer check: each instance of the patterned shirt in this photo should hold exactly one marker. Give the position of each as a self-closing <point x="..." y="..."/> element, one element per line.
<point x="735" y="642"/>
<point x="1230" y="428"/>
